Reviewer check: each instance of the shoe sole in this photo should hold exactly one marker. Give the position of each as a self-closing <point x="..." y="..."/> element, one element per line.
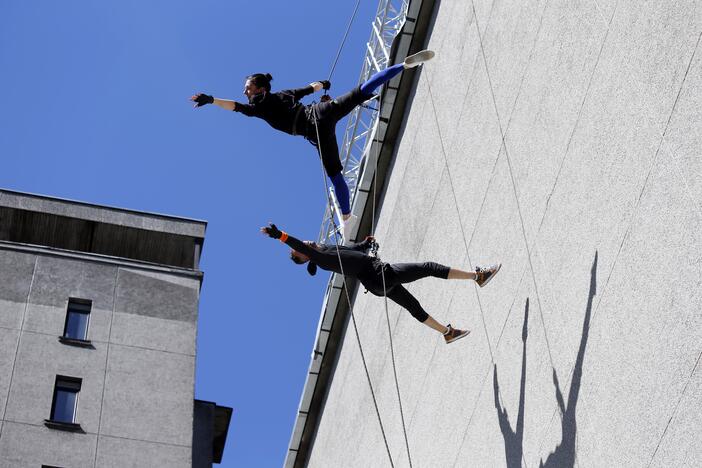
<point x="459" y="337"/>
<point x="491" y="276"/>
<point x="418" y="58"/>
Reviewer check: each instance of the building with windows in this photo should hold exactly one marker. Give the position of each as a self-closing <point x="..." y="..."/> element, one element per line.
<point x="98" y="324"/>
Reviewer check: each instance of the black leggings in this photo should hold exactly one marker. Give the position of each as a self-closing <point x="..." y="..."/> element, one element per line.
<point x="406" y="273"/>
<point x="328" y="114"/>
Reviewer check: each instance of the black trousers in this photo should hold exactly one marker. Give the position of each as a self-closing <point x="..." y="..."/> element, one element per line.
<point x="327" y="115"/>
<point x="401" y="273"/>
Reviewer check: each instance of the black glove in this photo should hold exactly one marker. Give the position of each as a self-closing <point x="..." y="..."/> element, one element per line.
<point x="273" y="231"/>
<point x="311" y="268"/>
<point x="326" y="85"/>
<point x="202" y="99"/>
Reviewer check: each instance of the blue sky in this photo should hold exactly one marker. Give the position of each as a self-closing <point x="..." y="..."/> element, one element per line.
<point x="95" y="108"/>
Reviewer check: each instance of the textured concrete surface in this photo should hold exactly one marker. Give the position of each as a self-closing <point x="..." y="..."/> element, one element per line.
<point x="563" y="139"/>
<point x="145" y="386"/>
<point x="118" y="453"/>
<point x="31" y="446"/>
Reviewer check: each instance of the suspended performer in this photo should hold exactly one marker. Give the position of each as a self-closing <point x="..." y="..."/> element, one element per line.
<point x="284" y="111"/>
<point x="369" y="270"/>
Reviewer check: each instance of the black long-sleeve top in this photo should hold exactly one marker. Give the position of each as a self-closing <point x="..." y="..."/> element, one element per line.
<point x="282" y="110"/>
<point x="355" y="261"/>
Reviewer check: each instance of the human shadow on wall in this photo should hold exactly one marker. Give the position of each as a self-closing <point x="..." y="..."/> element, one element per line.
<point x="564" y="454"/>
<point x="513" y="438"/>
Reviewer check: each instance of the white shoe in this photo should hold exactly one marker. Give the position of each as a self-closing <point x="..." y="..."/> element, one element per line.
<point x="417" y="59"/>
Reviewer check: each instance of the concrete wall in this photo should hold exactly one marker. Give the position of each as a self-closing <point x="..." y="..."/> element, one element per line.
<point x="563" y="139"/>
<point x="136" y="399"/>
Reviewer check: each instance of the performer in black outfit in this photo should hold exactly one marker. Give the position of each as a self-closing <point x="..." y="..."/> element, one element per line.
<point x="283" y="111"/>
<point x="369" y="270"/>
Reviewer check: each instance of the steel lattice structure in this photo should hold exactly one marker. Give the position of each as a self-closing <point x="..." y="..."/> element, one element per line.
<point x="363" y="121"/>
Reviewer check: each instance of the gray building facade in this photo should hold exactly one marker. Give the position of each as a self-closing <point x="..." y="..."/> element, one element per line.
<point x="98" y="325"/>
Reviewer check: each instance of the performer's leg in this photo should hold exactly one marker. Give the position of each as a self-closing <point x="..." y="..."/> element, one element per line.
<point x="389" y="73"/>
<point x="381" y="78"/>
<point x="341" y="189"/>
<point x="329" y="151"/>
<point x="403" y="298"/>
<point x="455" y="273"/>
<point x="409" y="272"/>
<point x="332" y="111"/>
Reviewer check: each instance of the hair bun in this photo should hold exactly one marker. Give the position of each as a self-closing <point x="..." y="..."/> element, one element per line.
<point x="269" y="77"/>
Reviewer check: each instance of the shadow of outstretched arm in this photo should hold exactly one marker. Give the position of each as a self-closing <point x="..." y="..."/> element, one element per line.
<point x="520" y="414"/>
<point x="564" y="454"/>
<point x="513" y="438"/>
<point x="559" y="394"/>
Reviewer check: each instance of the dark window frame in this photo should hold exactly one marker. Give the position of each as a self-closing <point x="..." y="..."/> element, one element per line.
<point x="77" y="306"/>
<point x="71" y="384"/>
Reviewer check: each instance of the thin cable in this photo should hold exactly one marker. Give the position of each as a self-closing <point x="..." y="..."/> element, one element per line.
<point x="463" y="235"/>
<point x="348" y="298"/>
<point x="394" y="369"/>
<point x="387" y="316"/>
<point x="458" y="212"/>
<point x="385" y="292"/>
<point x="343" y="41"/>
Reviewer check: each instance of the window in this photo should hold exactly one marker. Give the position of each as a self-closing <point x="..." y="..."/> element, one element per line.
<point x="77" y="319"/>
<point x="63" y="408"/>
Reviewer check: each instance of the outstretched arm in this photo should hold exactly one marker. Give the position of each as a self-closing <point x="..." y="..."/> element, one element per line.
<point x="225" y="104"/>
<point x="559" y="395"/>
<point x="304" y="248"/>
<point x="202" y="99"/>
<point x="313" y="87"/>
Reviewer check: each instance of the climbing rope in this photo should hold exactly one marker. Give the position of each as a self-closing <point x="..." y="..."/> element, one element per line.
<point x="346" y="290"/>
<point x="385" y="295"/>
<point x="348" y="298"/>
<point x="343" y="41"/>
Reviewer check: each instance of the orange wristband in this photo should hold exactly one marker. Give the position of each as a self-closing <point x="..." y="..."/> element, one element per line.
<point x="283" y="237"/>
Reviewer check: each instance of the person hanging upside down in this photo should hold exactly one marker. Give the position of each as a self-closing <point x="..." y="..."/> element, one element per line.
<point x="284" y="111"/>
<point x="356" y="263"/>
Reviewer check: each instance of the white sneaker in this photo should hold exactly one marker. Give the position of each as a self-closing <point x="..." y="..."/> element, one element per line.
<point x="417" y="59"/>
